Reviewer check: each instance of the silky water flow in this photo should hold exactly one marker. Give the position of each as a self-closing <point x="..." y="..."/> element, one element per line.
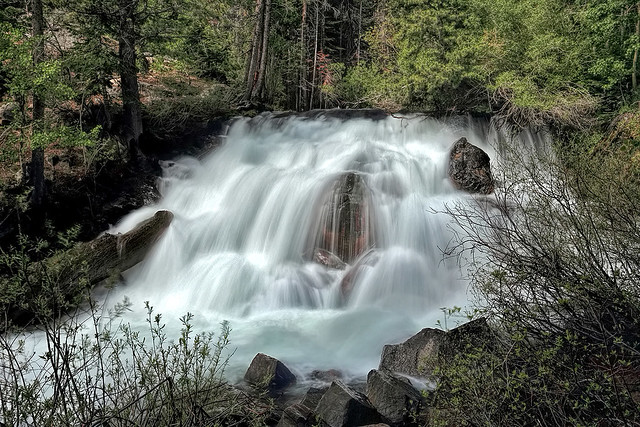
<point x="319" y="240"/>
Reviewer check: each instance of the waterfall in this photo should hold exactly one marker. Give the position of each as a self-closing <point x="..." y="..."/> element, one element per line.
<point x="254" y="217"/>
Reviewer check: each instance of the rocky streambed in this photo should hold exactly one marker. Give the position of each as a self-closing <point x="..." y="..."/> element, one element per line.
<point x="398" y="393"/>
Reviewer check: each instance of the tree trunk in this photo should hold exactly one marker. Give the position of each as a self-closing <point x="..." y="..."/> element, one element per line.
<point x="108" y="254"/>
<point x="634" y="75"/>
<point x="66" y="275"/>
<point x="37" y="153"/>
<point x="302" y="97"/>
<point x="315" y="57"/>
<point x="359" y="34"/>
<point x="131" y="107"/>
<point x="259" y="87"/>
<point x="254" y="59"/>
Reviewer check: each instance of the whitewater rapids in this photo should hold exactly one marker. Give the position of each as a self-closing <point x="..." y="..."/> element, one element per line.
<point x="244" y="223"/>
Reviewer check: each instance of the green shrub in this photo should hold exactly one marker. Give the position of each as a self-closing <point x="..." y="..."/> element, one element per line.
<point x="91" y="368"/>
<point x="558" y="275"/>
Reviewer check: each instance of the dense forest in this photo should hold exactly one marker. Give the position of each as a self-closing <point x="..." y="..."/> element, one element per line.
<point x="69" y="66"/>
<point x="93" y="92"/>
<point x="76" y="73"/>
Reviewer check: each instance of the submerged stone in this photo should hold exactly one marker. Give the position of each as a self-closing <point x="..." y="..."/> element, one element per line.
<point x="345" y="226"/>
<point x="326" y="258"/>
<point x="367" y="260"/>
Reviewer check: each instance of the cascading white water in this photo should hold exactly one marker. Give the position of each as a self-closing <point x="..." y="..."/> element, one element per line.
<point x="247" y="218"/>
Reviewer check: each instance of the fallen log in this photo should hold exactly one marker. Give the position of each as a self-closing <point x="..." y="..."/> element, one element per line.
<point x="108" y="254"/>
<point x="57" y="284"/>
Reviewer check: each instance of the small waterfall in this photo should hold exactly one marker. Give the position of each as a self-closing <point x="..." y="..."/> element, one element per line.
<point x="318" y="239"/>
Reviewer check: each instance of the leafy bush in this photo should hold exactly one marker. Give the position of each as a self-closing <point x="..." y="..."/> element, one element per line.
<point x="558" y="275"/>
<point x="90" y="368"/>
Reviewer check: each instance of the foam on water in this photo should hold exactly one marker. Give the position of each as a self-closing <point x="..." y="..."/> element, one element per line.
<point x="238" y="248"/>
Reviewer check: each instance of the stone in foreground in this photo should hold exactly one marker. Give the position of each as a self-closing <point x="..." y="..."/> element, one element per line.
<point x="394" y="397"/>
<point x="268" y="372"/>
<point x="414" y="356"/>
<point x="313" y="396"/>
<point x="342" y="406"/>
<point x="408" y="357"/>
<point x="298" y="415"/>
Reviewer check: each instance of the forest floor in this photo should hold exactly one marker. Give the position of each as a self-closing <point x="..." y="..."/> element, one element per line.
<point x="93" y="187"/>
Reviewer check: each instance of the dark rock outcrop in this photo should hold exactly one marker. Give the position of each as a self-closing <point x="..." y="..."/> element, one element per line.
<point x="313" y="396"/>
<point x="469" y="168"/>
<point x="344" y="219"/>
<point x="298" y="415"/>
<point x="269" y="373"/>
<point x="473" y="333"/>
<point x="408" y="357"/>
<point x="412" y="356"/>
<point x="342" y="406"/>
<point x="394" y="397"/>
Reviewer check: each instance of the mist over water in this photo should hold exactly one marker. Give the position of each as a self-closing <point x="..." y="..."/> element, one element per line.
<point x="249" y="216"/>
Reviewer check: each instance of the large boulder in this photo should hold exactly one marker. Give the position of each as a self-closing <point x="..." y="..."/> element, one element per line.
<point x="341" y="406"/>
<point x="298" y="415"/>
<point x="8" y="112"/>
<point x="394" y="397"/>
<point x="344" y="226"/>
<point x="408" y="357"/>
<point x="474" y="333"/>
<point x="469" y="168"/>
<point x="269" y="373"/>
<point x="414" y="356"/>
<point x="313" y="396"/>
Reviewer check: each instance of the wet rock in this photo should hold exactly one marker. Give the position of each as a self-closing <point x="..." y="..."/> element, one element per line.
<point x="313" y="396"/>
<point x="394" y="397"/>
<point x="342" y="406"/>
<point x="328" y="376"/>
<point x="336" y="113"/>
<point x="414" y="356"/>
<point x="345" y="226"/>
<point x="408" y="357"/>
<point x="469" y="168"/>
<point x="297" y="416"/>
<point x="326" y="258"/>
<point x="367" y="260"/>
<point x="269" y="373"/>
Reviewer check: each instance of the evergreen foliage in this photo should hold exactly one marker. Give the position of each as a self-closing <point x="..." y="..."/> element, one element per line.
<point x="561" y="283"/>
